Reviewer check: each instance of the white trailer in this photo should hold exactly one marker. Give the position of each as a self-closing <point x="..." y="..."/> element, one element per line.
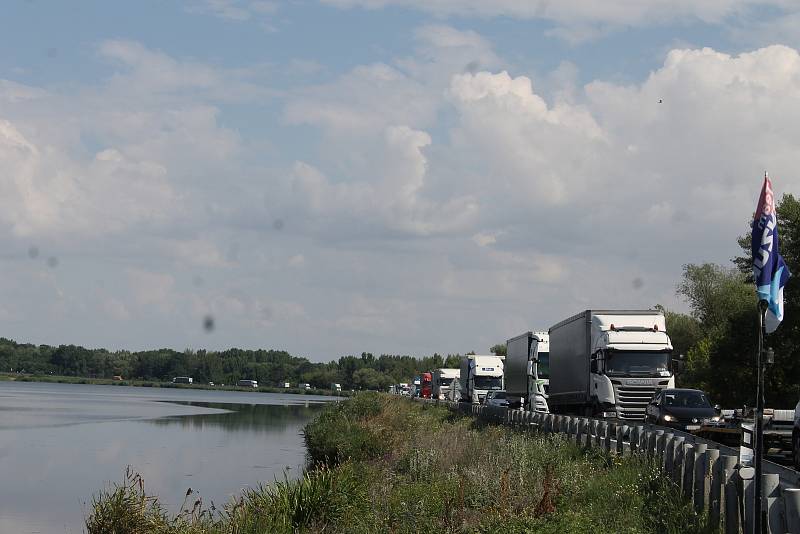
<point x="479" y="375"/>
<point x="609" y="362"/>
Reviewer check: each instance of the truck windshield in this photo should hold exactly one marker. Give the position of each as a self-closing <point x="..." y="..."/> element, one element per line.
<point x="445" y="381"/>
<point x="629" y="362"/>
<point x="543" y="367"/>
<point x="488" y="382"/>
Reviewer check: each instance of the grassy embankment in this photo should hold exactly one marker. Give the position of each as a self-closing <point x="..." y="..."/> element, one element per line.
<point x="58" y="379"/>
<point x="385" y="464"/>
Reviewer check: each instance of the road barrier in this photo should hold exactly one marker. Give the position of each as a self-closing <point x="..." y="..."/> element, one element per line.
<point x="705" y="471"/>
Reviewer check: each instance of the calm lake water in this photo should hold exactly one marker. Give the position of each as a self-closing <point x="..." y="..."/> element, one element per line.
<point x="61" y="443"/>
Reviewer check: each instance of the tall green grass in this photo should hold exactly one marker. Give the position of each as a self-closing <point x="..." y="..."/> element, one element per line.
<point x="379" y="463"/>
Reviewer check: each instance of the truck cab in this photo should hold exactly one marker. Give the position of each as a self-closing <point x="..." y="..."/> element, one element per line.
<point x="479" y="375"/>
<point x="526" y="372"/>
<point x="629" y="365"/>
<point x="426" y="386"/>
<point x="609" y="362"/>
<point x="443" y="382"/>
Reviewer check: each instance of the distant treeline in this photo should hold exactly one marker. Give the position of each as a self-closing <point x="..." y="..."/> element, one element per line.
<point x="269" y="367"/>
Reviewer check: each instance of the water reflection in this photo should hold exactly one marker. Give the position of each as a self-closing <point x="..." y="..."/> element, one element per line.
<point x="61" y="443"/>
<point x="251" y="418"/>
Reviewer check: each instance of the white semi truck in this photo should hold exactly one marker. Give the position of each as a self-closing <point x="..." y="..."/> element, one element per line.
<point x="479" y="375"/>
<point x="443" y="381"/>
<point x="609" y="363"/>
<point x="526" y="372"/>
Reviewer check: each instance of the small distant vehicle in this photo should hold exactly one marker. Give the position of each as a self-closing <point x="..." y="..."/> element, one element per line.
<point x="116" y="378"/>
<point x="336" y="387"/>
<point x="682" y="409"/>
<point x="305" y="386"/>
<point x="211" y="383"/>
<point x="287" y="385"/>
<point x="404" y="389"/>
<point x="496" y="398"/>
<point x="247" y="383"/>
<point x="182" y="380"/>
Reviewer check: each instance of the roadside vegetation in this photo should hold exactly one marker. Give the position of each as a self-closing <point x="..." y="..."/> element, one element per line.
<point x="379" y="463"/>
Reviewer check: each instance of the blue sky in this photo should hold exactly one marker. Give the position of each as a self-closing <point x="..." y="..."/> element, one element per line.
<point x="398" y="176"/>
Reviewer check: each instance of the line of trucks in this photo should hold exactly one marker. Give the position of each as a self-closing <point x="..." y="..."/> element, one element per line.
<point x="606" y="363"/>
<point x="598" y="363"/>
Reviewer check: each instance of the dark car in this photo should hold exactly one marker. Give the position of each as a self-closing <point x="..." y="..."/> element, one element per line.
<point x="683" y="409"/>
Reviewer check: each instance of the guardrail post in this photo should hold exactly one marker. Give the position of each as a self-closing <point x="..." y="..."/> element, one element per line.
<point x="718" y="478"/>
<point x="711" y="459"/>
<point x="669" y="453"/>
<point x="700" y="463"/>
<point x="578" y="430"/>
<point x="600" y="431"/>
<point x="651" y="443"/>
<point x="688" y="470"/>
<point x="587" y="437"/>
<point x="731" y="492"/>
<point x="770" y="491"/>
<point x="633" y="432"/>
<point x="748" y="497"/>
<point x="679" y="461"/>
<point x="791" y="509"/>
<point x="660" y="443"/>
<point x="609" y="432"/>
<point x="621" y="431"/>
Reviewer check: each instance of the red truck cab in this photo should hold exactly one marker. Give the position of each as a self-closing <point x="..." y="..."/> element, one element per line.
<point x="427" y="385"/>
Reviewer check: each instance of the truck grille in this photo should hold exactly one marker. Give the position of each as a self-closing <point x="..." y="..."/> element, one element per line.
<point x="632" y="400"/>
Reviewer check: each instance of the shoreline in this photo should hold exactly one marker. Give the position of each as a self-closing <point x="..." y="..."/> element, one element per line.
<point x="60" y="379"/>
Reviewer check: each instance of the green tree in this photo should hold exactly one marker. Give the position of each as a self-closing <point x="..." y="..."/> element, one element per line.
<point x="499" y="349"/>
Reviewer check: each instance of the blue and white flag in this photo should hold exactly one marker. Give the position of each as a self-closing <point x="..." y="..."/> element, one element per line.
<point x="770" y="272"/>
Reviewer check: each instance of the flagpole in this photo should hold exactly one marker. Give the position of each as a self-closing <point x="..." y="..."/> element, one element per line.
<point x="758" y="434"/>
<point x="759" y="416"/>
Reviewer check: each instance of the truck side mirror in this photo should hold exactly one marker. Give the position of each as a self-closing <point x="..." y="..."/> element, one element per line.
<point x="593" y="366"/>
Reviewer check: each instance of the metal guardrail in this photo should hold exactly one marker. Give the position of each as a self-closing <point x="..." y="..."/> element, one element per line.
<point x="706" y="471"/>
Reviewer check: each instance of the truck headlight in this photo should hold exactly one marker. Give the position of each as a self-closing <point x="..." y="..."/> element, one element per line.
<point x="714" y="419"/>
<point x="669" y="418"/>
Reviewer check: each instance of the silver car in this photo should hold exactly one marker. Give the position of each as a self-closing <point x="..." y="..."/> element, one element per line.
<point x="496" y="398"/>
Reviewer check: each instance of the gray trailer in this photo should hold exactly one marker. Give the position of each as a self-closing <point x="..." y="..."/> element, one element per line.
<point x="609" y="362"/>
<point x="526" y="373"/>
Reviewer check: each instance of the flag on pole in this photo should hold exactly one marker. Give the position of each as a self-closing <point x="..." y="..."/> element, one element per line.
<point x="769" y="269"/>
